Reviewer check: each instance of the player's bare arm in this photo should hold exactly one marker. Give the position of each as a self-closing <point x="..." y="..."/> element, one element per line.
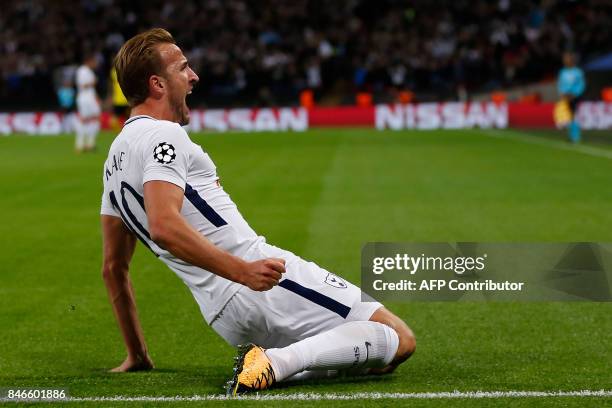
<point x="119" y="244"/>
<point x="168" y="228"/>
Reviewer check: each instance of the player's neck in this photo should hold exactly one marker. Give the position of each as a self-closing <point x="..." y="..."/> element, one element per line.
<point x="153" y="109"/>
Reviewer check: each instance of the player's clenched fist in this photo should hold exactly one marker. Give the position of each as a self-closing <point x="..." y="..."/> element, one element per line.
<point x="263" y="274"/>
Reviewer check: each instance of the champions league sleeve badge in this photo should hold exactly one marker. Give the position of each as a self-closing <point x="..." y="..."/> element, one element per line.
<point x="164" y="153"/>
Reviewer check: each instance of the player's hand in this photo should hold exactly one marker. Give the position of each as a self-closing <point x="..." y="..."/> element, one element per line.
<point x="133" y="363"/>
<point x="263" y="274"/>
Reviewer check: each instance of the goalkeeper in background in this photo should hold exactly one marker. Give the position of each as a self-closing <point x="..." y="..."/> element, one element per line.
<point x="571" y="86"/>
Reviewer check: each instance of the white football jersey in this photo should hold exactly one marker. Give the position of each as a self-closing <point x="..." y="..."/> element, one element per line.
<point x="85" y="82"/>
<point x="148" y="149"/>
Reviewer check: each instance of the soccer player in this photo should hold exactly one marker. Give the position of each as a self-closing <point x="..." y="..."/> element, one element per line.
<point x="571" y="86"/>
<point x="88" y="105"/>
<point x="297" y="319"/>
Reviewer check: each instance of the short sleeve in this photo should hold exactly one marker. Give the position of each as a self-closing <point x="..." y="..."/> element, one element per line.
<point x="166" y="155"/>
<point x="107" y="207"/>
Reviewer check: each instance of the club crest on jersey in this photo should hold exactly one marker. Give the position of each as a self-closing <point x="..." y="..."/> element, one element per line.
<point x="164" y="153"/>
<point x="335" y="281"/>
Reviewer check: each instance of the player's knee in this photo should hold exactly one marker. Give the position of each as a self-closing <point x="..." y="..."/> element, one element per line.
<point x="407" y="341"/>
<point x="407" y="345"/>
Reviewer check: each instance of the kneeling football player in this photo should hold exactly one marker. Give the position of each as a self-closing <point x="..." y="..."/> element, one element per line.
<point x="296" y="319"/>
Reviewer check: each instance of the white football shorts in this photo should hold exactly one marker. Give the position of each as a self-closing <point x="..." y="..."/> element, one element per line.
<point x="308" y="300"/>
<point x="87" y="107"/>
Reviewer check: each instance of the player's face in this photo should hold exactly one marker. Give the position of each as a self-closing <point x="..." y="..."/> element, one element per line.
<point x="181" y="80"/>
<point x="92" y="62"/>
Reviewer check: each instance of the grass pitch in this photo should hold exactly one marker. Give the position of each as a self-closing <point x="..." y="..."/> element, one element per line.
<point x="321" y="194"/>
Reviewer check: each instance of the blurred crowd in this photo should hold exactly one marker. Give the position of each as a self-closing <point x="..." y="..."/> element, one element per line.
<point x="267" y="51"/>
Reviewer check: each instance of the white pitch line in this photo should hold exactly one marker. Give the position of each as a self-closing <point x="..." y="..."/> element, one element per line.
<point x="540" y="141"/>
<point x="355" y="396"/>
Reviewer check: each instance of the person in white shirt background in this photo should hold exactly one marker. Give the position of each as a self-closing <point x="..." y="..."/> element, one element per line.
<point x="87" y="125"/>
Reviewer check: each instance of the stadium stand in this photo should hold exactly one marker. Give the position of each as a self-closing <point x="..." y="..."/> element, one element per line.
<point x="266" y="52"/>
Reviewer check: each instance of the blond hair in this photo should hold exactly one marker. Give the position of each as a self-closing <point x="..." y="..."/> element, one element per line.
<point x="137" y="60"/>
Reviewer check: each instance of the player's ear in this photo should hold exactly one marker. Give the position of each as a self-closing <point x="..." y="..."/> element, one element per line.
<point x="156" y="86"/>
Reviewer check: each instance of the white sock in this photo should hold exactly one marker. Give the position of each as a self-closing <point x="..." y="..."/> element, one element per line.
<point x="80" y="129"/>
<point x="351" y="345"/>
<point x="312" y="375"/>
<point x="92" y="132"/>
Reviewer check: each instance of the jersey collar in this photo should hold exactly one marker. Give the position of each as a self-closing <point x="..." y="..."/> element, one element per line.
<point x="135" y="118"/>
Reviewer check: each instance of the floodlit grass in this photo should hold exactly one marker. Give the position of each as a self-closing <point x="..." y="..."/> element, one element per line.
<point x="321" y="194"/>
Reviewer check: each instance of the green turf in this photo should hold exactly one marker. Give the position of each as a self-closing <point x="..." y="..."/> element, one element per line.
<point x="321" y="194"/>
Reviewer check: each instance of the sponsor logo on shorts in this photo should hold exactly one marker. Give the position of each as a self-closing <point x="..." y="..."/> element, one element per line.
<point x="335" y="281"/>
